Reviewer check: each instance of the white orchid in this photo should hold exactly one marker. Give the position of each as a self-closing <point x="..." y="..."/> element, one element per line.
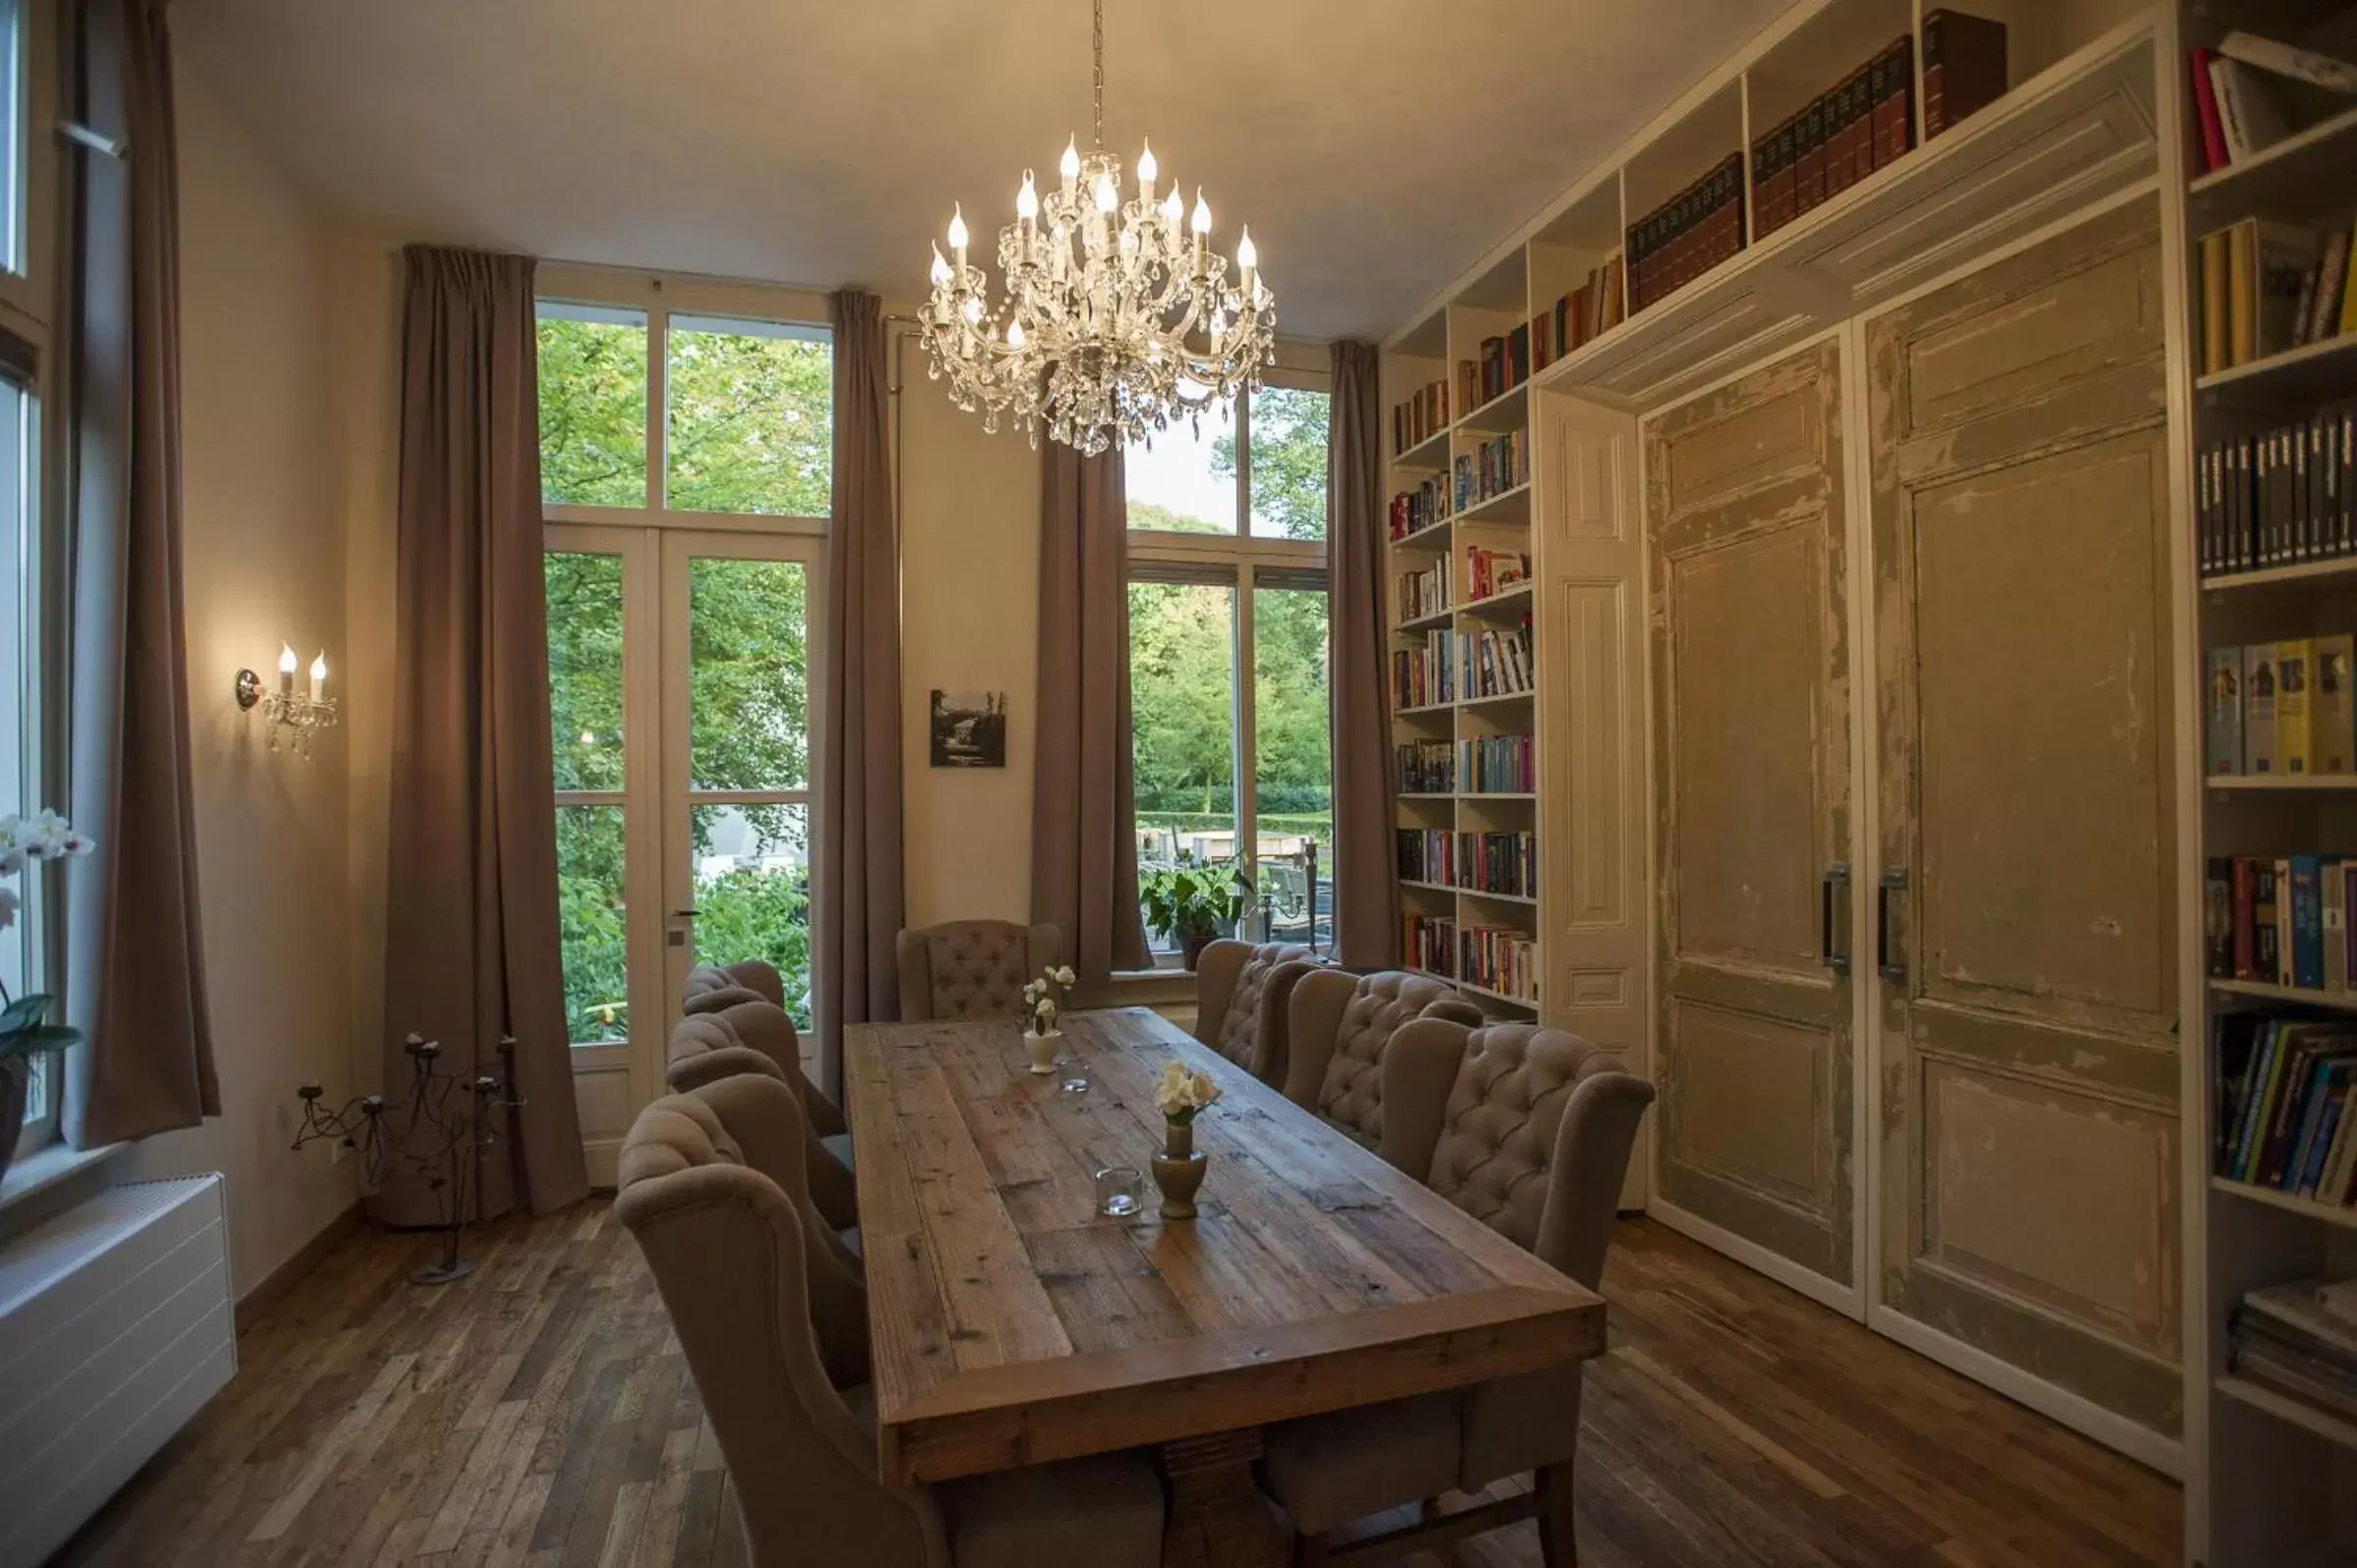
<point x="45" y="835"/>
<point x="1180" y="1095"/>
<point x="8" y="904"/>
<point x="1043" y="998"/>
<point x="25" y="841"/>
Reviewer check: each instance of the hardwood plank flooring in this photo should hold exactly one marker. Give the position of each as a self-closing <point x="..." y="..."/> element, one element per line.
<point x="539" y="1414"/>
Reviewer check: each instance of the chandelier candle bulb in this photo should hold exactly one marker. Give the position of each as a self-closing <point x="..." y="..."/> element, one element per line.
<point x="958" y="236"/>
<point x="320" y="676"/>
<point x="1026" y="201"/>
<point x="1070" y="167"/>
<point x="286" y="671"/>
<point x="1146" y="168"/>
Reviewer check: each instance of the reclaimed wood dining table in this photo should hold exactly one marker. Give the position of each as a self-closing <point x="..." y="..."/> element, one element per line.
<point x="1014" y="1324"/>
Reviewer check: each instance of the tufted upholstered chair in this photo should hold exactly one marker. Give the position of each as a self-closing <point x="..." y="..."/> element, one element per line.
<point x="1242" y="993"/>
<point x="1338" y="1028"/>
<point x="729" y="1251"/>
<point x="1534" y="1143"/>
<point x="971" y="968"/>
<point x="705" y="982"/>
<point x="752" y="1035"/>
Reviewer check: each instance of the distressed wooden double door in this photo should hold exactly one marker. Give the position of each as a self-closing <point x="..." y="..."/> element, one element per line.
<point x="1915" y="948"/>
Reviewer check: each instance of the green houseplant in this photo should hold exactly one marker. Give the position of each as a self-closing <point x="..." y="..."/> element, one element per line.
<point x="1190" y="902"/>
<point x="25" y="1027"/>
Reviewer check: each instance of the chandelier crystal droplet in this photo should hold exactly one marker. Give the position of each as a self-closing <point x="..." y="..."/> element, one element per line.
<point x="1116" y="318"/>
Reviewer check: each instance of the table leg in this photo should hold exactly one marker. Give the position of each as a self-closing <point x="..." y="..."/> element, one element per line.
<point x="1217" y="1517"/>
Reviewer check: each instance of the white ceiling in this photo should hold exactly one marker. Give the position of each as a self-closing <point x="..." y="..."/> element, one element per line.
<point x="1377" y="147"/>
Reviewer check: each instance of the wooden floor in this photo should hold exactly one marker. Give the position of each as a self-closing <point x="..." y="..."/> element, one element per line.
<point x="538" y="1413"/>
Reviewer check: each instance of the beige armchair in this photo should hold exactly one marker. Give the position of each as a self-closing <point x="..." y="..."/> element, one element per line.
<point x="706" y="983"/>
<point x="971" y="968"/>
<point x="1535" y="1143"/>
<point x="1339" y="1027"/>
<point x="729" y="1252"/>
<point x="751" y="1035"/>
<point x="1242" y="994"/>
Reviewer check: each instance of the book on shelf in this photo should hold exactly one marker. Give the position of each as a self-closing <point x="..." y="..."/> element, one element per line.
<point x="2283" y="1083"/>
<point x="2279" y="498"/>
<point x="1428" y="854"/>
<point x="2223" y="709"/>
<point x="2297" y="1341"/>
<point x="2279" y="708"/>
<point x="1427" y="767"/>
<point x="1688" y="235"/>
<point x="1505" y="364"/>
<point x="1588" y="311"/>
<point x="2259" y="708"/>
<point x="2297" y="65"/>
<point x="1421" y="417"/>
<point x="2331" y="746"/>
<point x="1426" y="593"/>
<point x="1414" y="510"/>
<point x="1499" y="862"/>
<point x="1492" y="469"/>
<point x="1497" y="660"/>
<point x="1491" y="572"/>
<point x="2280" y="920"/>
<point x="1499" y="959"/>
<point x="2292" y="656"/>
<point x="1963" y="68"/>
<point x="1426" y="674"/>
<point x="1429" y="942"/>
<point x="1499" y="764"/>
<point x="1862" y="122"/>
<point x="2258" y="289"/>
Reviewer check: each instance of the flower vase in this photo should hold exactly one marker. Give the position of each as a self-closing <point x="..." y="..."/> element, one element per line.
<point x="1179" y="1170"/>
<point x="1042" y="1050"/>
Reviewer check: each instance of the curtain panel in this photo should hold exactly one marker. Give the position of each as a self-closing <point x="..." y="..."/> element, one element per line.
<point x="1083" y="806"/>
<point x="862" y="895"/>
<point x="134" y="950"/>
<point x="472" y="950"/>
<point x="1366" y="867"/>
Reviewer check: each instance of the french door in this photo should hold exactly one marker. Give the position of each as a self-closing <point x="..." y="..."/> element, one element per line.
<point x="682" y="669"/>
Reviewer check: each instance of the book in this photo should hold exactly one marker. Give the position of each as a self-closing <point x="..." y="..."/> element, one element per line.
<point x="1894" y="89"/>
<point x="2204" y="107"/>
<point x="2331" y="278"/>
<point x="2218" y="917"/>
<point x="2267" y="264"/>
<point x="1963" y="68"/>
<point x="2246" y="900"/>
<point x="2307" y="922"/>
<point x="2300" y="65"/>
<point x="2348" y="293"/>
<point x="2247" y="110"/>
<point x="2334" y="720"/>
<point x="2334" y="895"/>
<point x="2259" y="708"/>
<point x="2283" y="920"/>
<point x="2294" y="730"/>
<point x="2224" y="728"/>
<point x="2215" y="275"/>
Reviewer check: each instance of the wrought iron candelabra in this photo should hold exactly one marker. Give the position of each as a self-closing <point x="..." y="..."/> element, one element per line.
<point x="438" y="1132"/>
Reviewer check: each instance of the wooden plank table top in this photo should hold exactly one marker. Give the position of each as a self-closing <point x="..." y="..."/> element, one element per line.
<point x="1013" y="1324"/>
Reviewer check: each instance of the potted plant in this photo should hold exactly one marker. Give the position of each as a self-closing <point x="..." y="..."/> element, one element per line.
<point x="25" y="1027"/>
<point x="1190" y="902"/>
<point x="1043" y="1004"/>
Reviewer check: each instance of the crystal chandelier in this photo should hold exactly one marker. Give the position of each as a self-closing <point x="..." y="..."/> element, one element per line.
<point x="1118" y="316"/>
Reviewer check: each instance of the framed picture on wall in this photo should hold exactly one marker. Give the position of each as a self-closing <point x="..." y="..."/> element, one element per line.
<point x="969" y="729"/>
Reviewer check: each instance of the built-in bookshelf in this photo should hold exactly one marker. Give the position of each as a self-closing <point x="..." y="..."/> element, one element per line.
<point x="2270" y="373"/>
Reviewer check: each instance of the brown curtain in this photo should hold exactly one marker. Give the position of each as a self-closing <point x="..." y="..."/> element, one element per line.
<point x="1083" y="814"/>
<point x="471" y="948"/>
<point x="134" y="958"/>
<point x="1366" y="872"/>
<point x="861" y="896"/>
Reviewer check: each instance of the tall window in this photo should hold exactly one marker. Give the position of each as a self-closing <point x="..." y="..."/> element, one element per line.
<point x="1227" y="657"/>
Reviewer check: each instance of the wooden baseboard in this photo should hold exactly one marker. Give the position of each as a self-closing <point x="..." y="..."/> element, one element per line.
<point x="306" y="1258"/>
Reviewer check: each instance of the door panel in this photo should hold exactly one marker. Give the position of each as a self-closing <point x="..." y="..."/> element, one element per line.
<point x="1750" y="627"/>
<point x="2028" y="1052"/>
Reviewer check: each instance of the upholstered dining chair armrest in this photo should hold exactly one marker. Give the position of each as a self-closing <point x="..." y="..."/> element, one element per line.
<point x="691" y="1071"/>
<point x="1590" y="1164"/>
<point x="1457" y="1009"/>
<point x="914" y="959"/>
<point x="1313" y="1019"/>
<point x="1217" y="968"/>
<point x="1419" y="1068"/>
<point x="718" y="999"/>
<point x="1273" y="1055"/>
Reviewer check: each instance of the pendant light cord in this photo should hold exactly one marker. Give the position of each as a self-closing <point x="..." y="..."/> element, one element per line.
<point x="1097" y="102"/>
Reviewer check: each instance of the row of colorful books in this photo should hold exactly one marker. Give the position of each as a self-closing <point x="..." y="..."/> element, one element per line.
<point x="2281" y="708"/>
<point x="1500" y="765"/>
<point x="1428" y="855"/>
<point x="1427" y="767"/>
<point x="1588" y="311"/>
<point x="1838" y="139"/>
<point x="1499" y="959"/>
<point x="2248" y="94"/>
<point x="1429" y="942"/>
<point x="2278" y="498"/>
<point x="1493" y="467"/>
<point x="1417" y="594"/>
<point x="2283" y="1111"/>
<point x="1687" y="235"/>
<point x="2300" y="1341"/>
<point x="1424" y="506"/>
<point x="2266" y="287"/>
<point x="1490" y="572"/>
<point x="1476" y="862"/>
<point x="1497" y="661"/>
<point x="2280" y="921"/>
<point x="1504" y="365"/>
<point x="1426" y="674"/>
<point x="1423" y="416"/>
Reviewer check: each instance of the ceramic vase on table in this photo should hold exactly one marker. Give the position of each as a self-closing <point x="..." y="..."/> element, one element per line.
<point x="1179" y="1170"/>
<point x="1042" y="1050"/>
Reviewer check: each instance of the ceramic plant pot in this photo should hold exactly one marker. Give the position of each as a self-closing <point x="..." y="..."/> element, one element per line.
<point x="1179" y="1170"/>
<point x="1042" y="1050"/>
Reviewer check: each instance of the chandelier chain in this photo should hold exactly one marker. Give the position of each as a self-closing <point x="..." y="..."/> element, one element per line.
<point x="1097" y="84"/>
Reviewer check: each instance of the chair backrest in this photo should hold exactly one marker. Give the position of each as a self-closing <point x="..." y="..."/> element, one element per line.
<point x="971" y="968"/>
<point x="1536" y="1141"/>
<point x="754" y="1037"/>
<point x="1242" y="994"/>
<point x="730" y="1255"/>
<point x="750" y="974"/>
<point x="1339" y="1027"/>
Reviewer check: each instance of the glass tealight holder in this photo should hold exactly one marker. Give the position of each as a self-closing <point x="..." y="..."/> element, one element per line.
<point x="1076" y="1074"/>
<point x="1119" y="1191"/>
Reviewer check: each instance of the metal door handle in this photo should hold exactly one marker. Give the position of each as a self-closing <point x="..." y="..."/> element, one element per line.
<point x="685" y="914"/>
<point x="1890" y="960"/>
<point x="1828" y="920"/>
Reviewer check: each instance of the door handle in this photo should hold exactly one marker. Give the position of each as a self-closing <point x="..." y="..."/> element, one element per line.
<point x="1833" y="899"/>
<point x="1890" y="960"/>
<point x="685" y="914"/>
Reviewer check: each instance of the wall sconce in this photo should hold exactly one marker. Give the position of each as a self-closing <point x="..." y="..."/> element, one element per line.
<point x="302" y="715"/>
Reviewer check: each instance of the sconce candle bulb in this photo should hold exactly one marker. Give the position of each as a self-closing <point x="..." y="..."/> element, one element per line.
<point x="286" y="671"/>
<point x="319" y="677"/>
<point x="286" y="709"/>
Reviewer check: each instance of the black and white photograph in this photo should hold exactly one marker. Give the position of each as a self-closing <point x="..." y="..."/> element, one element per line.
<point x="969" y="729"/>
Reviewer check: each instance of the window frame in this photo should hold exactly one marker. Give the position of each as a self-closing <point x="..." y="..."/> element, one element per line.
<point x="1246" y="562"/>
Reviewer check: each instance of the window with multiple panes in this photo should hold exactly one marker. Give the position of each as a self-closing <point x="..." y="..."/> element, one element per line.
<point x="1231" y="744"/>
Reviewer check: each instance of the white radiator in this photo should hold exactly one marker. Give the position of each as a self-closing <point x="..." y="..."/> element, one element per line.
<point x="116" y="1325"/>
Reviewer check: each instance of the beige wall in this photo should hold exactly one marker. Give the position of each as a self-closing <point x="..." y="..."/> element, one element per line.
<point x="264" y="563"/>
